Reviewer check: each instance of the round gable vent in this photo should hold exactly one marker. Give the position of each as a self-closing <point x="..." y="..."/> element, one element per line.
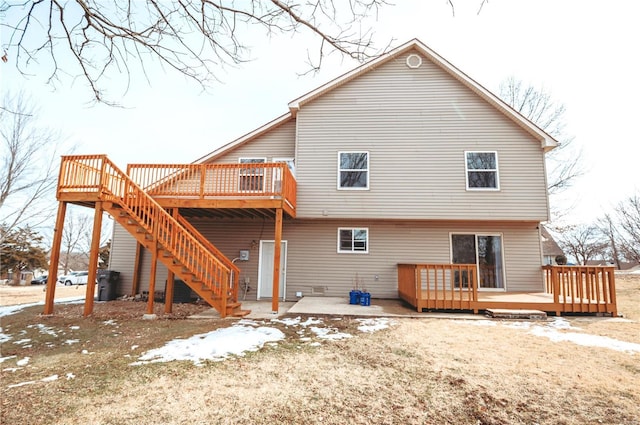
<point x="414" y="61"/>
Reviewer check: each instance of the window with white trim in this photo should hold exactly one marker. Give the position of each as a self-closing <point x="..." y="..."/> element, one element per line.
<point x="353" y="170"/>
<point x="482" y="170"/>
<point x="251" y="179"/>
<point x="353" y="240"/>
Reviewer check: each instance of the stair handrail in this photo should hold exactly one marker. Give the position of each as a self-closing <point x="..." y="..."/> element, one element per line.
<point x="113" y="185"/>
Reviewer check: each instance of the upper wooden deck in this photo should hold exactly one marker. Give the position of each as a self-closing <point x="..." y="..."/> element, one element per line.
<point x="211" y="190"/>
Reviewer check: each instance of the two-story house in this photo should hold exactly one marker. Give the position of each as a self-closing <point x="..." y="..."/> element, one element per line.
<point x="403" y="173"/>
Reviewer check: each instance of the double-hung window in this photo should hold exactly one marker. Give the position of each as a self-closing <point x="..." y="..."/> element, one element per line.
<point x="251" y="178"/>
<point x="353" y="170"/>
<point x="482" y="170"/>
<point x="353" y="240"/>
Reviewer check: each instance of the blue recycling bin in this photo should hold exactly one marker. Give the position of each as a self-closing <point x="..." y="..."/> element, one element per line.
<point x="365" y="299"/>
<point x="354" y="296"/>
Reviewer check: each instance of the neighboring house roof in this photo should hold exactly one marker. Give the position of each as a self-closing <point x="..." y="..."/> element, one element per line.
<point x="549" y="246"/>
<point x="547" y="142"/>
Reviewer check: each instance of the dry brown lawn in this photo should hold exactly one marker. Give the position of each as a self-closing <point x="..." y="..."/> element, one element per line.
<point x="419" y="371"/>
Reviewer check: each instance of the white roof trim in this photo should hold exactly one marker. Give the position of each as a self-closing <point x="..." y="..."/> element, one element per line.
<point x="546" y="140"/>
<point x="243" y="139"/>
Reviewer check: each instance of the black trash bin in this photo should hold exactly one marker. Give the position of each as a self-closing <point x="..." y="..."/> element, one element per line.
<point x="182" y="293"/>
<point x="108" y="284"/>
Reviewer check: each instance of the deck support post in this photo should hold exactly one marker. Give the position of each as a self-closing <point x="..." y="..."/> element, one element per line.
<point x="135" y="285"/>
<point x="54" y="259"/>
<point x="555" y="282"/>
<point x="93" y="259"/>
<point x="152" y="277"/>
<point x="611" y="280"/>
<point x="276" y="261"/>
<point x="168" y="288"/>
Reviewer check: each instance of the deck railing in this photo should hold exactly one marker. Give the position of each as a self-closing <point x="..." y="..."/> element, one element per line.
<point x="96" y="174"/>
<point x="582" y="289"/>
<point x="206" y="181"/>
<point x="438" y="286"/>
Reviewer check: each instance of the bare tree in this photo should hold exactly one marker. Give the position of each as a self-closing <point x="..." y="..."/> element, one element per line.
<point x="74" y="235"/>
<point x="77" y="235"/>
<point x="564" y="163"/>
<point x="628" y="213"/>
<point x="609" y="229"/>
<point x="583" y="242"/>
<point x="193" y="37"/>
<point x="28" y="165"/>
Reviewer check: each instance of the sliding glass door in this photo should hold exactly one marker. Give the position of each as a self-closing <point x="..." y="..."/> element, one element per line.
<point x="483" y="250"/>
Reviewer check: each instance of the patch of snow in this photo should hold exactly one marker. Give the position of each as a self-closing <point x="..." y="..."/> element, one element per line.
<point x="133" y="347"/>
<point x="23" y="362"/>
<point x="10" y="369"/>
<point x="4" y="337"/>
<point x="480" y="322"/>
<point x="22" y="341"/>
<point x="560" y="323"/>
<point x="556" y="330"/>
<point x="84" y="352"/>
<point x="373" y="325"/>
<point x="72" y="341"/>
<point x="12" y="309"/>
<point x="329" y="333"/>
<point x="47" y="379"/>
<point x="110" y="322"/>
<point x="215" y="345"/>
<point x="46" y="330"/>
<point x="517" y="325"/>
<point x="586" y="340"/>
<point x="288" y="321"/>
<point x="21" y="384"/>
<point x="311" y="321"/>
<point x="3" y="359"/>
<point x="74" y="328"/>
<point x="70" y="376"/>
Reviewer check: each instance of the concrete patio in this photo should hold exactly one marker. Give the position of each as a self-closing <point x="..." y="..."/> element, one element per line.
<point x="335" y="306"/>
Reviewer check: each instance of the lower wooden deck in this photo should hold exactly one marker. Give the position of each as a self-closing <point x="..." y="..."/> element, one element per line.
<point x="506" y="300"/>
<point x="569" y="289"/>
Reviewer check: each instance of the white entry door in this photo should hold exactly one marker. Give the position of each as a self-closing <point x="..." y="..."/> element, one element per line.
<point x="265" y="269"/>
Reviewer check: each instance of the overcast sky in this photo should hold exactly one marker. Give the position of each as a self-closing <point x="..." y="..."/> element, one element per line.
<point x="585" y="53"/>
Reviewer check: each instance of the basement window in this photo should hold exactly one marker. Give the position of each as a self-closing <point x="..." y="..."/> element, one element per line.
<point x="353" y="240"/>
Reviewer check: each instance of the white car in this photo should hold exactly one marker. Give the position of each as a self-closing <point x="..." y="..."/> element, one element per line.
<point x="75" y="278"/>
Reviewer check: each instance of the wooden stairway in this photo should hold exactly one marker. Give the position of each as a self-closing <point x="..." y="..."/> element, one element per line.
<point x="179" y="246"/>
<point x="222" y="299"/>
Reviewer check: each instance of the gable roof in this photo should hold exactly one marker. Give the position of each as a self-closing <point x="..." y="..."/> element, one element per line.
<point x="549" y="245"/>
<point x="243" y="139"/>
<point x="547" y="142"/>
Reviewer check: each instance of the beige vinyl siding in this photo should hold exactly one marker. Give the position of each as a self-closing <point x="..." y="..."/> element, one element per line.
<point x="315" y="268"/>
<point x="122" y="258"/>
<point x="416" y="124"/>
<point x="277" y="143"/>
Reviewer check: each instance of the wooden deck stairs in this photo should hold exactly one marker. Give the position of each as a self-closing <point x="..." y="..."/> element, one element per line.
<point x="172" y="240"/>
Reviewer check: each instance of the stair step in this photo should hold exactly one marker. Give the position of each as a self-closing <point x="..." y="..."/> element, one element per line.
<point x="501" y="313"/>
<point x="240" y="313"/>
